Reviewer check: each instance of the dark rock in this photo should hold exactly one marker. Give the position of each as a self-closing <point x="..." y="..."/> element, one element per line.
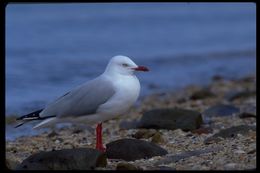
<point x="201" y="94"/>
<point x="220" y="110"/>
<point x="229" y="133"/>
<point x="171" y="119"/>
<point x="144" y="133"/>
<point x="252" y="151"/>
<point x="133" y="149"/>
<point x="174" y="158"/>
<point x="233" y="95"/>
<point x="128" y="124"/>
<point x="126" y="166"/>
<point x="246" y="115"/>
<point x="66" y="159"/>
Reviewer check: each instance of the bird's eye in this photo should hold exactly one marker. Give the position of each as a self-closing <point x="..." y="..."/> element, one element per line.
<point x="125" y="65"/>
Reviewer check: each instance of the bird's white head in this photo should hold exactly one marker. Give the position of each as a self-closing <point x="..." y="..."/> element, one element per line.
<point x="123" y="65"/>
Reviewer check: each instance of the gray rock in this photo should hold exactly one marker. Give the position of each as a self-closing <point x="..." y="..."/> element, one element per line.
<point x="229" y="133"/>
<point x="220" y="110"/>
<point x="133" y="149"/>
<point x="66" y="159"/>
<point x="171" y="119"/>
<point x="233" y="95"/>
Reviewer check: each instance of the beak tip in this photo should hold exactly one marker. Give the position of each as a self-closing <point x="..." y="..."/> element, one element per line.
<point x="141" y="68"/>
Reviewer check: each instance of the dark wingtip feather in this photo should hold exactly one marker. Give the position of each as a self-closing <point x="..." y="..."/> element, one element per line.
<point x="19" y="124"/>
<point x="32" y="115"/>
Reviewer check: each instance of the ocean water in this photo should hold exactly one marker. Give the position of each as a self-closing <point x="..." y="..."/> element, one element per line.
<point x="51" y="48"/>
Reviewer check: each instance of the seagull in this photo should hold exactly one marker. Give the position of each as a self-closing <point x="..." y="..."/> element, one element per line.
<point x="109" y="95"/>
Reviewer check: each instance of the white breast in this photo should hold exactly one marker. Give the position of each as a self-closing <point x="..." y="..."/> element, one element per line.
<point x="127" y="92"/>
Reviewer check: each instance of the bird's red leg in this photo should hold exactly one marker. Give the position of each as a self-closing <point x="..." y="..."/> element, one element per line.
<point x="99" y="145"/>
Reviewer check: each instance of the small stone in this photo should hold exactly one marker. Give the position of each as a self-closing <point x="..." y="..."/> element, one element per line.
<point x="57" y="141"/>
<point x="144" y="133"/>
<point x="239" y="152"/>
<point x="157" y="138"/>
<point x="126" y="166"/>
<point x="52" y="134"/>
<point x="203" y="130"/>
<point x="230" y="166"/>
<point x="201" y="94"/>
<point x="77" y="130"/>
<point x="252" y="151"/>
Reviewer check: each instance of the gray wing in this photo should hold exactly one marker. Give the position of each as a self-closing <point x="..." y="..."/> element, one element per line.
<point x="83" y="100"/>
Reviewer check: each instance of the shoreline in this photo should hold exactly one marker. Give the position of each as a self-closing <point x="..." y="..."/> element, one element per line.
<point x="240" y="93"/>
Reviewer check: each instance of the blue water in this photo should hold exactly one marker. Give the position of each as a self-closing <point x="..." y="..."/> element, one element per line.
<point x="51" y="48"/>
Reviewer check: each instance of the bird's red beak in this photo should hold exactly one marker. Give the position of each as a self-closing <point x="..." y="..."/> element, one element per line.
<point x="141" y="68"/>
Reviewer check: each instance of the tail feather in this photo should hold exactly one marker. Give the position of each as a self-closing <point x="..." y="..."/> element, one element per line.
<point x="32" y="116"/>
<point x="45" y="123"/>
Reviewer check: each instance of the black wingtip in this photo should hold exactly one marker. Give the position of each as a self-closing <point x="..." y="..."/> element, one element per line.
<point x="30" y="115"/>
<point x="19" y="125"/>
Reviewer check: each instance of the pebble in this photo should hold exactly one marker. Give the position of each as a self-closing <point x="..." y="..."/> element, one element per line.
<point x="239" y="152"/>
<point x="126" y="166"/>
<point x="230" y="166"/>
<point x="158" y="138"/>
